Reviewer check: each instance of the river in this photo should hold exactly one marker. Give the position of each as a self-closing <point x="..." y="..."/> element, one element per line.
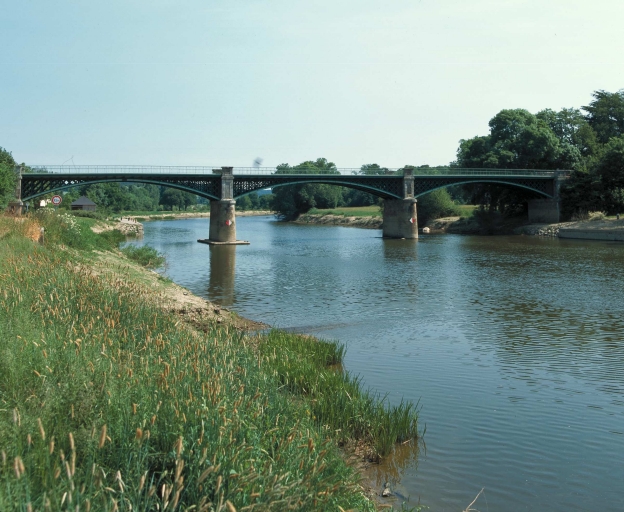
<point x="514" y="347"/>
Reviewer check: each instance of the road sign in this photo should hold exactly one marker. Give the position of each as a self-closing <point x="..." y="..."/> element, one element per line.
<point x="56" y="200"/>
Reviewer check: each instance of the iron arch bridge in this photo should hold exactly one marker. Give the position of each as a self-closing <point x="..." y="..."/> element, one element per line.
<point x="232" y="183"/>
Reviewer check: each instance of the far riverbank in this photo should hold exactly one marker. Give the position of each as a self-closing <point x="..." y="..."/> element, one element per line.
<point x="602" y="229"/>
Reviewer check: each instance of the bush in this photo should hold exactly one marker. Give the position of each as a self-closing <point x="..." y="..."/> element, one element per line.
<point x="435" y="205"/>
<point x="145" y="255"/>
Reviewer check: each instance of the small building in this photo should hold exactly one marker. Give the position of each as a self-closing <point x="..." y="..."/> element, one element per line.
<point x="83" y="203"/>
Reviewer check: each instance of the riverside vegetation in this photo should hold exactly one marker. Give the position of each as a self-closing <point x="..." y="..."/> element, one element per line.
<point x="108" y="402"/>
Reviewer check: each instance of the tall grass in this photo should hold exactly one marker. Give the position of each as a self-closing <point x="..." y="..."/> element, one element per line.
<point x="108" y="403"/>
<point x="145" y="255"/>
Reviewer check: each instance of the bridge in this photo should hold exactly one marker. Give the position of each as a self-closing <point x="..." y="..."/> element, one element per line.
<point x="399" y="188"/>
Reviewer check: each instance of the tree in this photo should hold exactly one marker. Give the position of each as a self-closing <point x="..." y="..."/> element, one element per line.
<point x="7" y="177"/>
<point x="571" y="128"/>
<point x="606" y="114"/>
<point x="290" y="201"/>
<point x="517" y="140"/>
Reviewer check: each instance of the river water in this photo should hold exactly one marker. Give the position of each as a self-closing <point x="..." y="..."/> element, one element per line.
<point x="514" y="347"/>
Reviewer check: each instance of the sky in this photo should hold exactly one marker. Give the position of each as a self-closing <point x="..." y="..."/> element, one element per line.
<point x="212" y="82"/>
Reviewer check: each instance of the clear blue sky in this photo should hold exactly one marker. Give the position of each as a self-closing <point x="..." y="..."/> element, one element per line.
<point x="216" y="82"/>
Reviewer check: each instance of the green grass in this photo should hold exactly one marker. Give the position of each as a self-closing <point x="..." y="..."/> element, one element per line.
<point x="109" y="403"/>
<point x="349" y="211"/>
<point x="145" y="255"/>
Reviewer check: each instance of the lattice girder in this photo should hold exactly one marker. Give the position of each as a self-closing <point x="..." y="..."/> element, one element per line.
<point x="34" y="185"/>
<point x="387" y="187"/>
<point x="542" y="186"/>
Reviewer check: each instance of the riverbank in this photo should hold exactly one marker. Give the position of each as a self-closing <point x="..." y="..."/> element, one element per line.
<point x="601" y="229"/>
<point x="189" y="215"/>
<point x="145" y="395"/>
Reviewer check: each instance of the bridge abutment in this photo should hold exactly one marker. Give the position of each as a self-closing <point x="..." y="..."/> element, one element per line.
<point x="544" y="211"/>
<point x="400" y="219"/>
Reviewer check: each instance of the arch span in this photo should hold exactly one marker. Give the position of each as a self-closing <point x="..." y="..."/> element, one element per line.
<point x="542" y="192"/>
<point x="36" y="185"/>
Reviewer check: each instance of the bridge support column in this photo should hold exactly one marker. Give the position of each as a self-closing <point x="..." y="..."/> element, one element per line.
<point x="223" y="214"/>
<point x="400" y="218"/>
<point x="544" y="211"/>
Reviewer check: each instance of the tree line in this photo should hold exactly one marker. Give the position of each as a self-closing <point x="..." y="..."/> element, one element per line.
<point x="588" y="141"/>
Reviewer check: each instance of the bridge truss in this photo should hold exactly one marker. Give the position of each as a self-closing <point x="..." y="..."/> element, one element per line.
<point x="209" y="183"/>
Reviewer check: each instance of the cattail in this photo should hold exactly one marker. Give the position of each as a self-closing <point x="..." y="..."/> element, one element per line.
<point x="102" y="437"/>
<point x="18" y="466"/>
<point x="219" y="479"/>
<point x="139" y="434"/>
<point x="179" y="468"/>
<point x="52" y="445"/>
<point x="29" y="439"/>
<point x="71" y="442"/>
<point x="134" y="409"/>
<point x="229" y="506"/>
<point x="41" y="431"/>
<point x="142" y="481"/>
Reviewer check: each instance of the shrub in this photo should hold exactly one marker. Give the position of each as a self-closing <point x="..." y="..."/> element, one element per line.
<point x="145" y="255"/>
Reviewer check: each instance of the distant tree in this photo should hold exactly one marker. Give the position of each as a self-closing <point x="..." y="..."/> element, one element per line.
<point x="244" y="203"/>
<point x="172" y="197"/>
<point x="290" y="201"/>
<point x="606" y="114"/>
<point x="374" y="169"/>
<point x="7" y="177"/>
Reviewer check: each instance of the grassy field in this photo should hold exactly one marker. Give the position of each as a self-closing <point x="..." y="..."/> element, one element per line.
<point x="349" y="211"/>
<point x="109" y="403"/>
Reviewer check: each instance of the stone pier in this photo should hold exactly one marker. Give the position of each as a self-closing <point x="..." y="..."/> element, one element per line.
<point x="400" y="218"/>
<point x="223" y="213"/>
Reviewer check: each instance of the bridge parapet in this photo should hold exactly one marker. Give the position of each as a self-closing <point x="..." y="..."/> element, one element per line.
<point x="263" y="171"/>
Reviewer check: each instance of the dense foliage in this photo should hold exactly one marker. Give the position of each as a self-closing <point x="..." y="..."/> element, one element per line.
<point x="290" y="201"/>
<point x="589" y="144"/>
<point x="7" y="177"/>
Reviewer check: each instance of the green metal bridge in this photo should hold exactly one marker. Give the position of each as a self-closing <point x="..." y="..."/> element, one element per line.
<point x="235" y="182"/>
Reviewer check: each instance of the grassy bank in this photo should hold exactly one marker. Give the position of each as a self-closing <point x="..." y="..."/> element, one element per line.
<point x="349" y="211"/>
<point x="109" y="403"/>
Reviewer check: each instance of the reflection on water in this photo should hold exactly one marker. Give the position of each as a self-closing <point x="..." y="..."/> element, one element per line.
<point x="222" y="269"/>
<point x="513" y="345"/>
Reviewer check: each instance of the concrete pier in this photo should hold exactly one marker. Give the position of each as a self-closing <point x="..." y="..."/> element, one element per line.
<point x="544" y="211"/>
<point x="400" y="219"/>
<point x="223" y="213"/>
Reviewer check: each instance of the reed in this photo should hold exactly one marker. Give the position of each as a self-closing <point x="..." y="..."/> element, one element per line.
<point x="109" y="403"/>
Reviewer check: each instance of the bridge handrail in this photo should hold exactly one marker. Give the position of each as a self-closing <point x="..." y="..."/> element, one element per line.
<point x="266" y="171"/>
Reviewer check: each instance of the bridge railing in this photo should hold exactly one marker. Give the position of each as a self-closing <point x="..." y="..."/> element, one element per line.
<point x="259" y="171"/>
